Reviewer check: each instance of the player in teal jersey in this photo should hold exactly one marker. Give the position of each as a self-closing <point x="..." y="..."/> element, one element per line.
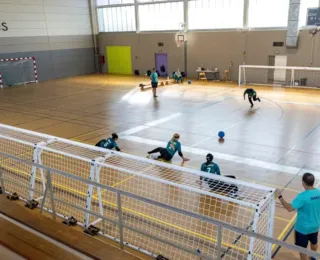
<point x="307" y="205"/>
<point x="252" y="94"/>
<point x="210" y="166"/>
<point x="217" y="185"/>
<point x="109" y="143"/>
<point x="167" y="153"/>
<point x="154" y="82"/>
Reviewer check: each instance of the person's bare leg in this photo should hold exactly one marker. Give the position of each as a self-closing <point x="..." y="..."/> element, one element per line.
<point x="303" y="257"/>
<point x="154" y="90"/>
<point x="314" y="248"/>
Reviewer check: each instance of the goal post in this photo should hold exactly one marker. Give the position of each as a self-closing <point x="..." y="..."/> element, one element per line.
<point x="283" y="76"/>
<point x="18" y="71"/>
<point x="146" y="227"/>
<point x="1" y="84"/>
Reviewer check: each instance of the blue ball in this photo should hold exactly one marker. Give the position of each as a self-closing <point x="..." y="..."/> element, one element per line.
<point x="221" y="134"/>
<point x="189" y="81"/>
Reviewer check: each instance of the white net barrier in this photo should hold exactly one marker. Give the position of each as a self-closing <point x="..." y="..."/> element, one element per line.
<point x="279" y="76"/>
<point x="147" y="227"/>
<point x="18" y="71"/>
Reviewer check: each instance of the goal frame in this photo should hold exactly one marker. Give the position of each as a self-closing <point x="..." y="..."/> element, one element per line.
<point x="43" y="143"/>
<point x="291" y="68"/>
<point x="33" y="59"/>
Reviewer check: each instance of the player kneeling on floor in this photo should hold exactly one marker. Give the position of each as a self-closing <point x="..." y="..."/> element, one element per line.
<point x="167" y="153"/>
<point x="215" y="185"/>
<point x="109" y="143"/>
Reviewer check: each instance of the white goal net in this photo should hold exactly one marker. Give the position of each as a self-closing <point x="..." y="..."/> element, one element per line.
<point x="301" y="77"/>
<point x="146" y="227"/>
<point x="18" y="71"/>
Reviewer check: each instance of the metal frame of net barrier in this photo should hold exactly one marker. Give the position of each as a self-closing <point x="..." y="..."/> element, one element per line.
<point x="175" y="237"/>
<point x="284" y="76"/>
<point x="8" y="71"/>
<point x="156" y="224"/>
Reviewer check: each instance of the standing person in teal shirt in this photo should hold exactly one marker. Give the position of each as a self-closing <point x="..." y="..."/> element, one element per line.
<point x="109" y="143"/>
<point x="219" y="186"/>
<point x="307" y="205"/>
<point x="154" y="82"/>
<point x="252" y="94"/>
<point x="167" y="153"/>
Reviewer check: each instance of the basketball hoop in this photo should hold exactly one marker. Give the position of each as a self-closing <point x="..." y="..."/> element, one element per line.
<point x="180" y="38"/>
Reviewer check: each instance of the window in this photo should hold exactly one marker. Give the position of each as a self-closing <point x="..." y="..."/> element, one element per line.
<point x="268" y="13"/>
<point x="117" y="19"/>
<point x="161" y="17"/>
<point x="150" y="1"/>
<point x="215" y="14"/>
<point x="114" y="2"/>
<point x="304" y="5"/>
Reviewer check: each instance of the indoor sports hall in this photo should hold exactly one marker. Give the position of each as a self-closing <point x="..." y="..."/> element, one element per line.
<point x="238" y="79"/>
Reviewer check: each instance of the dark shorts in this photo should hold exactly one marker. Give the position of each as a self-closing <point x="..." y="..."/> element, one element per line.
<point x="303" y="240"/>
<point x="165" y="154"/>
<point x="154" y="84"/>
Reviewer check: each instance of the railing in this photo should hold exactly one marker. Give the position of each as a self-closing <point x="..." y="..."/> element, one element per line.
<point x="221" y="250"/>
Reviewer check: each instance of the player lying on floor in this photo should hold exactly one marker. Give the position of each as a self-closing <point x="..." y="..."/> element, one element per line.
<point x="167" y="153"/>
<point x="109" y="143"/>
<point x="215" y="185"/>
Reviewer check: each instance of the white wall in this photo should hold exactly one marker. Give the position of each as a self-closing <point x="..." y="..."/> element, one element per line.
<point x="45" y="18"/>
<point x="57" y="32"/>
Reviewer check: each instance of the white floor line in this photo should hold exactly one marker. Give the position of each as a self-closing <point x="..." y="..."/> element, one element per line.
<point x="201" y="141"/>
<point x="226" y="157"/>
<point x="150" y="124"/>
<point x="288" y="102"/>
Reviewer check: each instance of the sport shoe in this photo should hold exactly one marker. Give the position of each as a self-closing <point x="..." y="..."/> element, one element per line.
<point x="259" y="100"/>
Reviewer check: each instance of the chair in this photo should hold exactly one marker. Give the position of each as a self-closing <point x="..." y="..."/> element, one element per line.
<point x="226" y="75"/>
<point x="202" y="76"/>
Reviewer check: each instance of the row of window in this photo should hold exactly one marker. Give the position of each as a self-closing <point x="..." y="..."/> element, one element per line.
<point x="202" y="14"/>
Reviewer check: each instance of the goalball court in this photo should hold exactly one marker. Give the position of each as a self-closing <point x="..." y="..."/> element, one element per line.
<point x="257" y="149"/>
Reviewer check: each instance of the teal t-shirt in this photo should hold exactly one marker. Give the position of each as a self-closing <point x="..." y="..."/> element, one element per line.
<point x="107" y="143"/>
<point x="172" y="150"/>
<point x="154" y="77"/>
<point x="307" y="204"/>
<point x="211" y="168"/>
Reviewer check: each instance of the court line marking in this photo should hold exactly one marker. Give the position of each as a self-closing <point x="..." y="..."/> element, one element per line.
<point x="284" y="231"/>
<point x="149" y="124"/>
<point x="126" y="179"/>
<point x="226" y="157"/>
<point x="134" y="129"/>
<point x="78" y="136"/>
<point x="39" y="179"/>
<point x="271" y="185"/>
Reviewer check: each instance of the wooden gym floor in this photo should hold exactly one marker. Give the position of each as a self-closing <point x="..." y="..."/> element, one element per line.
<point x="271" y="144"/>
